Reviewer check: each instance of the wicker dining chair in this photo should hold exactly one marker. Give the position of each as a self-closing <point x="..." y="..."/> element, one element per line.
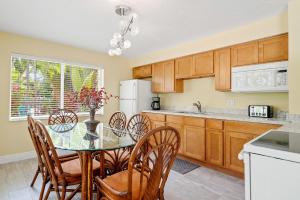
<point x="147" y="174"/>
<point x="64" y="119"/>
<point x="138" y="125"/>
<point x="62" y="174"/>
<point x="117" y="160"/>
<point x="41" y="169"/>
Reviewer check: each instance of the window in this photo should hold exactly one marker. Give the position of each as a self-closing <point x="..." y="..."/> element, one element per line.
<point x="39" y="86"/>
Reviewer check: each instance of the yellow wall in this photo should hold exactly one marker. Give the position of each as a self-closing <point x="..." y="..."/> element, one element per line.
<point x="203" y="89"/>
<point x="294" y="56"/>
<point x="13" y="135"/>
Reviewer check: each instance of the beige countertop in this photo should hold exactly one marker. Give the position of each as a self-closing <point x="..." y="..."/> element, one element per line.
<point x="224" y="116"/>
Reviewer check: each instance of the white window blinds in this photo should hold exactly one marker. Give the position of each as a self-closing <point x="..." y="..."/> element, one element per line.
<point x="38" y="87"/>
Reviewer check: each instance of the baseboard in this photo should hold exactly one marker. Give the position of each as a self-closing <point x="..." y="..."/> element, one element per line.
<point x="17" y="157"/>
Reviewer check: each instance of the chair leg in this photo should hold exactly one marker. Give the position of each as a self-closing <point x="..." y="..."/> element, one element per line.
<point x="48" y="192"/>
<point x="35" y="176"/>
<point x="57" y="193"/>
<point x="63" y="193"/>
<point x="43" y="188"/>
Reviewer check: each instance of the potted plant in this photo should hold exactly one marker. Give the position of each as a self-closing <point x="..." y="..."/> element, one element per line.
<point x="92" y="99"/>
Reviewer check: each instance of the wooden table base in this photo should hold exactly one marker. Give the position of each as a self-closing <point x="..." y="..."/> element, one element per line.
<point x="87" y="175"/>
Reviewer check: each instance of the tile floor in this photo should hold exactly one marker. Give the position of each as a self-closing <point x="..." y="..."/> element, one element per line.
<point x="199" y="184"/>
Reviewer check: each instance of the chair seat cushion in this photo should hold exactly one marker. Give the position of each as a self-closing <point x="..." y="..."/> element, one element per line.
<point x="72" y="168"/>
<point x="119" y="182"/>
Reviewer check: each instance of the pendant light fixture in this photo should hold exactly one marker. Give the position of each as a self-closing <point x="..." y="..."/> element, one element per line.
<point x="120" y="41"/>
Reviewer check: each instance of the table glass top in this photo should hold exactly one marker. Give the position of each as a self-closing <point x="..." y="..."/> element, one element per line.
<point x="78" y="138"/>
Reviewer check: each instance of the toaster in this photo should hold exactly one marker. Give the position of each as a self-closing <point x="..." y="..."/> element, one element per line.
<point x="262" y="111"/>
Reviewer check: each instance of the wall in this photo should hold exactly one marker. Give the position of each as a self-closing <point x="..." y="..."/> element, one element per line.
<point x="14" y="137"/>
<point x="203" y="89"/>
<point x="294" y="56"/>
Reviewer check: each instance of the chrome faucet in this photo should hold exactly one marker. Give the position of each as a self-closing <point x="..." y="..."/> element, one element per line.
<point x="198" y="105"/>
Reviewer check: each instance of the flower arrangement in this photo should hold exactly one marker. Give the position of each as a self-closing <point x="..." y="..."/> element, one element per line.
<point x="92" y="99"/>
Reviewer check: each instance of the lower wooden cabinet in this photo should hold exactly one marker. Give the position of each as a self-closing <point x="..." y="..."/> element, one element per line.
<point x="234" y="142"/>
<point x="194" y="139"/>
<point x="215" y="147"/>
<point x="179" y="128"/>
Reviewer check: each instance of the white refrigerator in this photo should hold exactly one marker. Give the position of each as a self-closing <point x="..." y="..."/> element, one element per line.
<point x="135" y="96"/>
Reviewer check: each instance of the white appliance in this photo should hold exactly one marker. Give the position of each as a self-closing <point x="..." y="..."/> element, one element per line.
<point x="272" y="166"/>
<point x="135" y="96"/>
<point x="269" y="77"/>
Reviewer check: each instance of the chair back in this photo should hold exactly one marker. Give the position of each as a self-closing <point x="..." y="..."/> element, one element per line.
<point x="153" y="156"/>
<point x="49" y="153"/>
<point x="118" y="121"/>
<point x="138" y="125"/>
<point x="35" y="141"/>
<point x="62" y="116"/>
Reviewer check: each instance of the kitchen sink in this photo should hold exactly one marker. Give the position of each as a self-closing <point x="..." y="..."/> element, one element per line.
<point x="191" y="112"/>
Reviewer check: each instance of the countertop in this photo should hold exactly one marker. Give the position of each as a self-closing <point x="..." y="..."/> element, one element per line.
<point x="233" y="117"/>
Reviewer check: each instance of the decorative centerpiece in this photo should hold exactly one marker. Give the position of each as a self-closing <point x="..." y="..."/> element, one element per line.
<point x="93" y="100"/>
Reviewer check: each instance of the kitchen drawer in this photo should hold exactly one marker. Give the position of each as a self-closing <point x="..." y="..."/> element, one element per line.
<point x="248" y="127"/>
<point x="214" y="124"/>
<point x="174" y="119"/>
<point x="194" y="121"/>
<point x="156" y="117"/>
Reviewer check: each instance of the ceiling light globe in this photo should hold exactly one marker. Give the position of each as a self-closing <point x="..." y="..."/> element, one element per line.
<point x="133" y="15"/>
<point x="111" y="52"/>
<point x="123" y="24"/>
<point x="118" y="51"/>
<point x="134" y="31"/>
<point x="117" y="36"/>
<point x="114" y="42"/>
<point x="127" y="44"/>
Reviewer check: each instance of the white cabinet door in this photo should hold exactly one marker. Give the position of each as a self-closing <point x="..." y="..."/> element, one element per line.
<point x="274" y="179"/>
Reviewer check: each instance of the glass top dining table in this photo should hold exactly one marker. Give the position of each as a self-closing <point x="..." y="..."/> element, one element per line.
<point x="76" y="137"/>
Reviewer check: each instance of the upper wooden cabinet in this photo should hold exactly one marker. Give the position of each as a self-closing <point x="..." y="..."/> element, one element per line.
<point x="273" y="49"/>
<point x="203" y="64"/>
<point x="142" y="72"/>
<point x="244" y="54"/>
<point x="163" y="78"/>
<point x="183" y="67"/>
<point x="222" y="69"/>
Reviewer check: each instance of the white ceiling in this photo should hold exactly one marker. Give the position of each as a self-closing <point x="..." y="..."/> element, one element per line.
<point x="163" y="23"/>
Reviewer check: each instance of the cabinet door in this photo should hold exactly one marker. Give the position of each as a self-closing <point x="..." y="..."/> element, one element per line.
<point x="158" y="77"/>
<point x="179" y="128"/>
<point x="244" y="54"/>
<point x="222" y="69"/>
<point x="273" y="49"/>
<point x="170" y="84"/>
<point x="142" y="71"/>
<point x="183" y="67"/>
<point x="214" y="147"/>
<point x="156" y="124"/>
<point x="203" y="64"/>
<point x="194" y="142"/>
<point x="234" y="142"/>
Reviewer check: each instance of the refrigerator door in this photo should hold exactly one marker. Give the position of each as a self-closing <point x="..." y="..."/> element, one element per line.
<point x="129" y="107"/>
<point x="128" y="89"/>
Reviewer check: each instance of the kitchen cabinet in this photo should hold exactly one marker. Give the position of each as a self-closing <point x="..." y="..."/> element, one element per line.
<point x="157" y="120"/>
<point x="234" y="144"/>
<point x="214" y="142"/>
<point x="236" y="135"/>
<point x="203" y="64"/>
<point x="194" y="142"/>
<point x="222" y="69"/>
<point x="142" y="72"/>
<point x="177" y="123"/>
<point x="244" y="54"/>
<point x="273" y="49"/>
<point x="163" y="78"/>
<point x="183" y="67"/>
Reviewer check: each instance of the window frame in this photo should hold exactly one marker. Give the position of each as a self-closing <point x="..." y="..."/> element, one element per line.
<point x="63" y="63"/>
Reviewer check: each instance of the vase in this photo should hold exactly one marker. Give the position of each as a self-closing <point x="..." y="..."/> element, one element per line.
<point x="92" y="124"/>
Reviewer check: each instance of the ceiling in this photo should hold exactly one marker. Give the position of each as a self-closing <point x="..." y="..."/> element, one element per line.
<point x="163" y="23"/>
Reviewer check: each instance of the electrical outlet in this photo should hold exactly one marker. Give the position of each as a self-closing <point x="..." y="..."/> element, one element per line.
<point x="231" y="103"/>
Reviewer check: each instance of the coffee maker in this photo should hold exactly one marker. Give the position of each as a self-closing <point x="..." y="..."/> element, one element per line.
<point x="155" y="105"/>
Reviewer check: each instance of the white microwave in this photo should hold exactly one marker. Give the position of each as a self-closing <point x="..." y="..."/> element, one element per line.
<point x="269" y="77"/>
